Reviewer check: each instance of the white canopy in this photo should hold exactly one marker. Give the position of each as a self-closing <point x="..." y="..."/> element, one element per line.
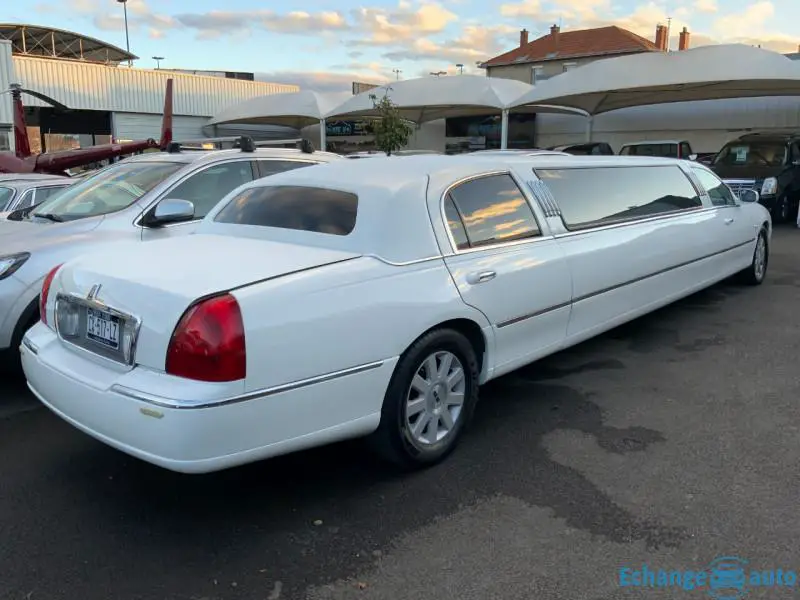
<point x="703" y="73"/>
<point x="430" y="98"/>
<point x="293" y="109"/>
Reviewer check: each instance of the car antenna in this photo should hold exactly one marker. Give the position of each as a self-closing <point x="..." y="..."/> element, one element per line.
<point x="306" y="146"/>
<point x="246" y="143"/>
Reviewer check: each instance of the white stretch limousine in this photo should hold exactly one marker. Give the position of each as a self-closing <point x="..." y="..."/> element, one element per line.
<point x="371" y="298"/>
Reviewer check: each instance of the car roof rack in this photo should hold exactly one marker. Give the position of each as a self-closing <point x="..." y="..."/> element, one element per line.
<point x="243" y="142"/>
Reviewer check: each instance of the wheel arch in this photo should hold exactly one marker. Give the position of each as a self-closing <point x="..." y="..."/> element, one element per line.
<point x="470" y="330"/>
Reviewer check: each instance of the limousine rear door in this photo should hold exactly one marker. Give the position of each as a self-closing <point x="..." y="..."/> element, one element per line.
<point x="506" y="264"/>
<point x="635" y="238"/>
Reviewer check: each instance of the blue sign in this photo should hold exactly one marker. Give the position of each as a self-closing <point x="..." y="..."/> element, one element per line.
<point x="345" y="128"/>
<point x="726" y="578"/>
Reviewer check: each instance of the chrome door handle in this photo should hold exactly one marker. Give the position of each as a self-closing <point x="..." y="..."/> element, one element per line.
<point x="481" y="277"/>
<point x="729" y="220"/>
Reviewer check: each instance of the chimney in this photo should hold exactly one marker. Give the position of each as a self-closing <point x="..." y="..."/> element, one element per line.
<point x="523" y="38"/>
<point x="554" y="31"/>
<point x="683" y="40"/>
<point x="661" y="37"/>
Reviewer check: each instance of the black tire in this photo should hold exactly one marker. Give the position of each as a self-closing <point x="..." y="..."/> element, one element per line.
<point x="755" y="275"/>
<point x="393" y="440"/>
<point x="12" y="359"/>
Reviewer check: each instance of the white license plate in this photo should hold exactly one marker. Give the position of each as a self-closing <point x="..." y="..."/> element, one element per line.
<point x="103" y="328"/>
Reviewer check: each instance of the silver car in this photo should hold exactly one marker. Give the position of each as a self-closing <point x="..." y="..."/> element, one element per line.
<point x="146" y="197"/>
<point x="25" y="191"/>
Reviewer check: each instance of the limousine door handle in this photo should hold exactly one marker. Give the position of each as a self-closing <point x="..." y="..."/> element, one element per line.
<point x="481" y="277"/>
<point x="729" y="220"/>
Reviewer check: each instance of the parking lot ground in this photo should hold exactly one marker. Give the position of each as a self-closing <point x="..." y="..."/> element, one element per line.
<point x="668" y="442"/>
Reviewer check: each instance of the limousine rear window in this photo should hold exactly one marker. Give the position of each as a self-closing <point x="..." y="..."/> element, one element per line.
<point x="489" y="210"/>
<point x="303" y="208"/>
<point x="590" y="197"/>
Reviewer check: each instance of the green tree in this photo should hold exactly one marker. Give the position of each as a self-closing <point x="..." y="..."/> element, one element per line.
<point x="391" y="131"/>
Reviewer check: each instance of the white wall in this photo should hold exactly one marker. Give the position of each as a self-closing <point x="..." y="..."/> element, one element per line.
<point x="139" y="126"/>
<point x="707" y="125"/>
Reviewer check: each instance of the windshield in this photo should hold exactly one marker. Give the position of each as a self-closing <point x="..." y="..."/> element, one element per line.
<point x="5" y="197"/>
<point x="664" y="150"/>
<point x="758" y="154"/>
<point x="107" y="191"/>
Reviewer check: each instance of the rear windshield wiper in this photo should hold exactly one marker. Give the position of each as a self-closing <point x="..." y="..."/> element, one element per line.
<point x="49" y="217"/>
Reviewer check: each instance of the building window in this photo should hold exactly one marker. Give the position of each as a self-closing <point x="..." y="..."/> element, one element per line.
<point x="536" y="74"/>
<point x="569" y="66"/>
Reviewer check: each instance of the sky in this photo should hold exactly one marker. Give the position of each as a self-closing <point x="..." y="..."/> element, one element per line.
<point x="324" y="45"/>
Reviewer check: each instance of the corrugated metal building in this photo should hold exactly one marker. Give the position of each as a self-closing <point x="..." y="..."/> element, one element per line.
<point x="126" y="102"/>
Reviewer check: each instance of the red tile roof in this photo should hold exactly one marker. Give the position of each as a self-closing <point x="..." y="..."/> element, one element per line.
<point x="573" y="44"/>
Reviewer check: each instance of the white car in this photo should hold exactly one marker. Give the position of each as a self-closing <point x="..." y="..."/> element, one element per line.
<point x="142" y="198"/>
<point x="372" y="298"/>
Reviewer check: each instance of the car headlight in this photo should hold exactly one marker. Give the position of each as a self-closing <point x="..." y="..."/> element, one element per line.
<point x="10" y="263"/>
<point x="769" y="187"/>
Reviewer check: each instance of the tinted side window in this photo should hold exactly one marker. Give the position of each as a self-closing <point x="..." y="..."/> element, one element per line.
<point x="26" y="201"/>
<point x="494" y="210"/>
<point x="314" y="209"/>
<point x="43" y="193"/>
<point x="719" y="192"/>
<point x="268" y="167"/>
<point x="206" y="188"/>
<point x="455" y="224"/>
<point x="6" y="194"/>
<point x="686" y="151"/>
<point x="589" y="197"/>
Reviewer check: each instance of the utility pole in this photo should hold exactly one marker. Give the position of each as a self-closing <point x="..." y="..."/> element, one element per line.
<point x="127" y="39"/>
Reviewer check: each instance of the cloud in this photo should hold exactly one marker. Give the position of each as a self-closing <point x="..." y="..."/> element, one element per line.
<point x="328" y="83"/>
<point x="390" y="27"/>
<point x="217" y="23"/>
<point x="706" y="6"/>
<point x="752" y="26"/>
<point x="476" y="44"/>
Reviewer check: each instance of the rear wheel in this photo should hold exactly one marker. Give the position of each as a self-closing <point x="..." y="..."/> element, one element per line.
<point x="429" y="401"/>
<point x="757" y="271"/>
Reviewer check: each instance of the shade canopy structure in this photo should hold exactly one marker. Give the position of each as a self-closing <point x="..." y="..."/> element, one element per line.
<point x="292" y="109"/>
<point x="431" y="98"/>
<point x="704" y="73"/>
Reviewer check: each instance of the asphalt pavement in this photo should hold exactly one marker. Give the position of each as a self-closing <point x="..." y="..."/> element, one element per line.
<point x="668" y="442"/>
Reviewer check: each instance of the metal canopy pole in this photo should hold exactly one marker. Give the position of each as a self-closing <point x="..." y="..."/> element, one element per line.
<point x="504" y="130"/>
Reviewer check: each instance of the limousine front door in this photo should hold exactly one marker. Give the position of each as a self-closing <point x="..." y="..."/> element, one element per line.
<point x="506" y="268"/>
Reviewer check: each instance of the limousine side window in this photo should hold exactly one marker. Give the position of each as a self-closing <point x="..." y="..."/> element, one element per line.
<point x="594" y="196"/>
<point x="719" y="192"/>
<point x="489" y="210"/>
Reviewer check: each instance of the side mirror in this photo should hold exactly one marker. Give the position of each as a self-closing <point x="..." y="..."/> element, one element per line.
<point x="796" y="163"/>
<point x="693" y="157"/>
<point x="749" y="196"/>
<point x="171" y="211"/>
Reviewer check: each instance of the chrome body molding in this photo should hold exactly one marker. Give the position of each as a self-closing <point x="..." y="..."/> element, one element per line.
<point x="246" y="397"/>
<point x="549" y="309"/>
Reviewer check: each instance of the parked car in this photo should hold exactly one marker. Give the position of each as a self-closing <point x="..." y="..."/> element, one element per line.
<point x="587" y="149"/>
<point x="142" y="198"/>
<point x="768" y="163"/>
<point x="665" y="149"/>
<point x="20" y="193"/>
<point x="372" y="298"/>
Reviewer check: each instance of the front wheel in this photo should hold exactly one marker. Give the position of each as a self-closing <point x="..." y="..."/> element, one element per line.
<point x="757" y="271"/>
<point x="429" y="401"/>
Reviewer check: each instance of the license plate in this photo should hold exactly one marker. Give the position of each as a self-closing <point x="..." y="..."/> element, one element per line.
<point x="103" y="328"/>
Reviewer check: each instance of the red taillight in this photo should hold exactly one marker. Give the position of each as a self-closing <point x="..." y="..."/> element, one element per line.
<point x="208" y="343"/>
<point x="48" y="281"/>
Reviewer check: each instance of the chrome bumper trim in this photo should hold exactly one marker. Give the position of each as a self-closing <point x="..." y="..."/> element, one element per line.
<point x="254" y="395"/>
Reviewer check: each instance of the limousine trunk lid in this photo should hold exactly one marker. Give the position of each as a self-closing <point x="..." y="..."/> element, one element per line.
<point x="155" y="282"/>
